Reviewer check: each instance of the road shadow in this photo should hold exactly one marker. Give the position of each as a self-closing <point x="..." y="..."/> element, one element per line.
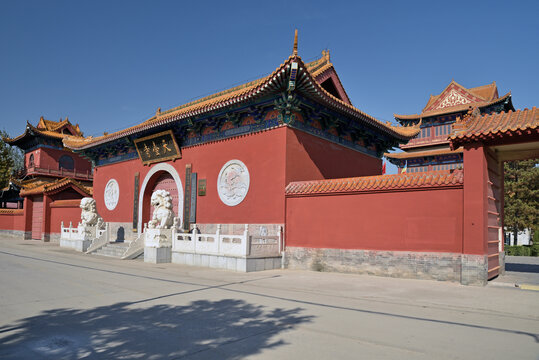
<point x="527" y="268"/>
<point x="224" y="329"/>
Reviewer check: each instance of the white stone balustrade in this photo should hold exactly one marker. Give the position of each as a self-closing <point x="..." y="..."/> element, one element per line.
<point x="217" y="243"/>
<point x="75" y="233"/>
<point x="81" y="237"/>
<point x="69" y="232"/>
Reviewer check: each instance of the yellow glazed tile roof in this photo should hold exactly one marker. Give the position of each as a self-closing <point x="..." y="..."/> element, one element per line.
<point x="245" y="92"/>
<point x="377" y="183"/>
<point x="47" y="128"/>
<point x="41" y="186"/>
<point x="472" y="128"/>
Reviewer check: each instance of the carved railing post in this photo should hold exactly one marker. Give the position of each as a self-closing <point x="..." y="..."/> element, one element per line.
<point x="246" y="239"/>
<point x="218" y="238"/>
<point x="280" y="237"/>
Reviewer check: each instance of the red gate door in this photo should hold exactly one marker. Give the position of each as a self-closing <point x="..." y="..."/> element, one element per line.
<point x="166" y="182"/>
<point x="37" y="217"/>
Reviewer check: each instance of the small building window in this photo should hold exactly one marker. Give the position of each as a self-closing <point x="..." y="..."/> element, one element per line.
<point x="66" y="162"/>
<point x="425" y="133"/>
<point x="31" y="161"/>
<point x="443" y="130"/>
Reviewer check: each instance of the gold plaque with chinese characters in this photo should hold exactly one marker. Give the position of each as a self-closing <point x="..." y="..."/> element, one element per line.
<point x="158" y="147"/>
<point x="202" y="187"/>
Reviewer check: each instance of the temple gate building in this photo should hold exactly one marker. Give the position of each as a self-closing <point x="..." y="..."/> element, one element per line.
<point x="53" y="179"/>
<point x="227" y="158"/>
<point x="429" y="150"/>
<point x="285" y="172"/>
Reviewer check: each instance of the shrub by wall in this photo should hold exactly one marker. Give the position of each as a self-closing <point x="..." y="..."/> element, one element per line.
<point x="522" y="250"/>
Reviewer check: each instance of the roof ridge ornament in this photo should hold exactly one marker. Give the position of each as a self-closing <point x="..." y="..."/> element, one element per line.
<point x="295" y="48"/>
<point x="325" y="55"/>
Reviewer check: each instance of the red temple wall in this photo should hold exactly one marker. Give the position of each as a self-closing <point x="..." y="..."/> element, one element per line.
<point x="263" y="153"/>
<point x="66" y="211"/>
<point x="11" y="219"/>
<point x="307" y="157"/>
<point x="426" y="220"/>
<point x="49" y="158"/>
<point x="311" y="158"/>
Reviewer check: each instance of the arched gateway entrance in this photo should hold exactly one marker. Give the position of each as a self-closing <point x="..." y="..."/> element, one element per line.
<point x="160" y="177"/>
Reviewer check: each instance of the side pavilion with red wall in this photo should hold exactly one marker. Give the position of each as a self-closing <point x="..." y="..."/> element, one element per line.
<point x="52" y="182"/>
<point x="444" y="225"/>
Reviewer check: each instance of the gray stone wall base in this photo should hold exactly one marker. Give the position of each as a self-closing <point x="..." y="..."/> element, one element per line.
<point x="466" y="269"/>
<point x="54" y="238"/>
<point x="239" y="264"/>
<point x="474" y="270"/>
<point x="16" y="234"/>
<point x="78" y="245"/>
<point x="157" y="255"/>
<point x="502" y="263"/>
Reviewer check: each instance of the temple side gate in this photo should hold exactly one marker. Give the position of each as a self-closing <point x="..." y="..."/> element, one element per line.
<point x="443" y="225"/>
<point x="489" y="141"/>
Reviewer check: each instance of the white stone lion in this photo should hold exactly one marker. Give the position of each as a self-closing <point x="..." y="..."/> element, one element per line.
<point x="89" y="216"/>
<point x="163" y="216"/>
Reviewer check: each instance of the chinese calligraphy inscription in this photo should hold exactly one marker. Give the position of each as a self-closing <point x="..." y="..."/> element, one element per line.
<point x="158" y="147"/>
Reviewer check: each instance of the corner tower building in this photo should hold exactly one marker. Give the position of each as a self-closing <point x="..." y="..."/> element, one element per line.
<point x="429" y="150"/>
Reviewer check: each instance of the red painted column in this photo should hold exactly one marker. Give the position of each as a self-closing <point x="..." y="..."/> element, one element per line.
<point x="502" y="205"/>
<point x="27" y="213"/>
<point x="475" y="200"/>
<point x="474" y="261"/>
<point x="46" y="218"/>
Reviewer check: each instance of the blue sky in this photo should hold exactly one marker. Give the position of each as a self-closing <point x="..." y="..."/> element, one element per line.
<point x="110" y="64"/>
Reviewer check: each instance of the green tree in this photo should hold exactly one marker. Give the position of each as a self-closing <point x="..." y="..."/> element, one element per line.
<point x="521" y="208"/>
<point x="11" y="159"/>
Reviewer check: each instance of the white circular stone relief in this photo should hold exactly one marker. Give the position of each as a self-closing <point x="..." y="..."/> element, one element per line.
<point x="112" y="194"/>
<point x="233" y="182"/>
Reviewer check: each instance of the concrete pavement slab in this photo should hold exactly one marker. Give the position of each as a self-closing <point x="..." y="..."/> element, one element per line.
<point x="59" y="304"/>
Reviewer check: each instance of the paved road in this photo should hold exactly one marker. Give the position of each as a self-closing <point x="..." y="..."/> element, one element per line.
<point x="58" y="304"/>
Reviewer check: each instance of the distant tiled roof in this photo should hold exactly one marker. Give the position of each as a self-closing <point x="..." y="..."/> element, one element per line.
<point x="49" y="125"/>
<point x="486" y="93"/>
<point x="495" y="126"/>
<point x="41" y="186"/>
<point x="246" y="92"/>
<point x="377" y="183"/>
<point x="484" y="96"/>
<point x="47" y="128"/>
<point x="415" y="154"/>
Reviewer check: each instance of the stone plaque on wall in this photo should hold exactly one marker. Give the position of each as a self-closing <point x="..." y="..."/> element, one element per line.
<point x="233" y="182"/>
<point x="112" y="194"/>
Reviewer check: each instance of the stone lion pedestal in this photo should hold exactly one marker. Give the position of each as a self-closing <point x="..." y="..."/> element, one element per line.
<point x="81" y="237"/>
<point x="158" y="234"/>
<point x="158" y="246"/>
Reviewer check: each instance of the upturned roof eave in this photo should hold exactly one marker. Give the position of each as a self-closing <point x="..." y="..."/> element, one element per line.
<point x="258" y="90"/>
<point x="430" y="113"/>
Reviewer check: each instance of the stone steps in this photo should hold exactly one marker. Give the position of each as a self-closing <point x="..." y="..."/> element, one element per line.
<point x="115" y="249"/>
